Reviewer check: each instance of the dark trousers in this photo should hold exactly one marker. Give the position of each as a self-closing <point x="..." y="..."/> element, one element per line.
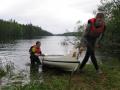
<point x="90" y="53"/>
<point x="34" y="60"/>
<point x="34" y="71"/>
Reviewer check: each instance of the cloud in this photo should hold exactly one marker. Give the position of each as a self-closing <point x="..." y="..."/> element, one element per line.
<point x="53" y="15"/>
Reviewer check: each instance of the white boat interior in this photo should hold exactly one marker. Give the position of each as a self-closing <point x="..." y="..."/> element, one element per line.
<point x="65" y="62"/>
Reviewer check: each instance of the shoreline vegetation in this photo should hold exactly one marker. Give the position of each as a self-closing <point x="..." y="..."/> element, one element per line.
<point x="90" y="80"/>
<point x="70" y="34"/>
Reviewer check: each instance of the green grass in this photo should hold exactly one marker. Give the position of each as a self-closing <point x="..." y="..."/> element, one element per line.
<point x="2" y="73"/>
<point x="53" y="80"/>
<point x="56" y="80"/>
<point x="109" y="80"/>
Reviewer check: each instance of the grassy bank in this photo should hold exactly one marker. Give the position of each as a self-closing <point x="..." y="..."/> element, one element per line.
<point x="53" y="80"/>
<point x="109" y="80"/>
<point x="56" y="80"/>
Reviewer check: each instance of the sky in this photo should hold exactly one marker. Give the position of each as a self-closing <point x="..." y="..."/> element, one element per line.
<point x="55" y="16"/>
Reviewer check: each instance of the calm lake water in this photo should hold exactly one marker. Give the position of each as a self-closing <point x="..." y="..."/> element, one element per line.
<point x="18" y="53"/>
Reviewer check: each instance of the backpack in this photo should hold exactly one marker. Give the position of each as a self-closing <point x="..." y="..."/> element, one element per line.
<point x="30" y="50"/>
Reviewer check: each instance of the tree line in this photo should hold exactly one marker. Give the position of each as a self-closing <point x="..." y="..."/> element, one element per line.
<point x="112" y="17"/>
<point x="68" y="34"/>
<point x="13" y="30"/>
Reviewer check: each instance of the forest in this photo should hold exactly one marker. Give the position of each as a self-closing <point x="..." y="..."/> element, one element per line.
<point x="13" y="30"/>
<point x="112" y="18"/>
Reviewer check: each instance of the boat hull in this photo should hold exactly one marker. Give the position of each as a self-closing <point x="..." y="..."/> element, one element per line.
<point x="65" y="63"/>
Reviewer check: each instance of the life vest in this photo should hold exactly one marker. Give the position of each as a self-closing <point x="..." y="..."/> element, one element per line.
<point x="96" y="31"/>
<point x="35" y="49"/>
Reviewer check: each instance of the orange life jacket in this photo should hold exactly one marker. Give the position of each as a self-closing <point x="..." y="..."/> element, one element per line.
<point x="95" y="32"/>
<point x="36" y="49"/>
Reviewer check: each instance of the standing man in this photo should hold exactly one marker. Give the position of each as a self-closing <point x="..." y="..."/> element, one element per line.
<point x="35" y="52"/>
<point x="94" y="32"/>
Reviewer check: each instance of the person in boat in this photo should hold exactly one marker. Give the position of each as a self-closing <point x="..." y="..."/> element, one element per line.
<point x="92" y="36"/>
<point x="35" y="52"/>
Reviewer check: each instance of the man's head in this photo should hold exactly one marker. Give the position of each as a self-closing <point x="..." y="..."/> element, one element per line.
<point x="100" y="16"/>
<point x="38" y="43"/>
<point x="99" y="19"/>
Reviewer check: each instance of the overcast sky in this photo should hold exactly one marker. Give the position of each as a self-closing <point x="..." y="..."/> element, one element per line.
<point x="55" y="16"/>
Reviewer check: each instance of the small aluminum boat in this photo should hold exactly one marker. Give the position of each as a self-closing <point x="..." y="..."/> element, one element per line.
<point x="63" y="62"/>
<point x="66" y="63"/>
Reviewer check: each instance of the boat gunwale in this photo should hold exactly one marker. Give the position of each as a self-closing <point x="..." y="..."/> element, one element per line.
<point x="62" y="61"/>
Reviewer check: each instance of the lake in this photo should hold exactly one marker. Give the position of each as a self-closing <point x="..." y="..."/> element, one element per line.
<point x="17" y="52"/>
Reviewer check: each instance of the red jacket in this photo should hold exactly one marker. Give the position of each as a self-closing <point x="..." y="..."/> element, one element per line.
<point x="96" y="31"/>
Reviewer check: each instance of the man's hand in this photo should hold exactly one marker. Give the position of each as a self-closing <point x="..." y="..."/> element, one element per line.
<point x="36" y="54"/>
